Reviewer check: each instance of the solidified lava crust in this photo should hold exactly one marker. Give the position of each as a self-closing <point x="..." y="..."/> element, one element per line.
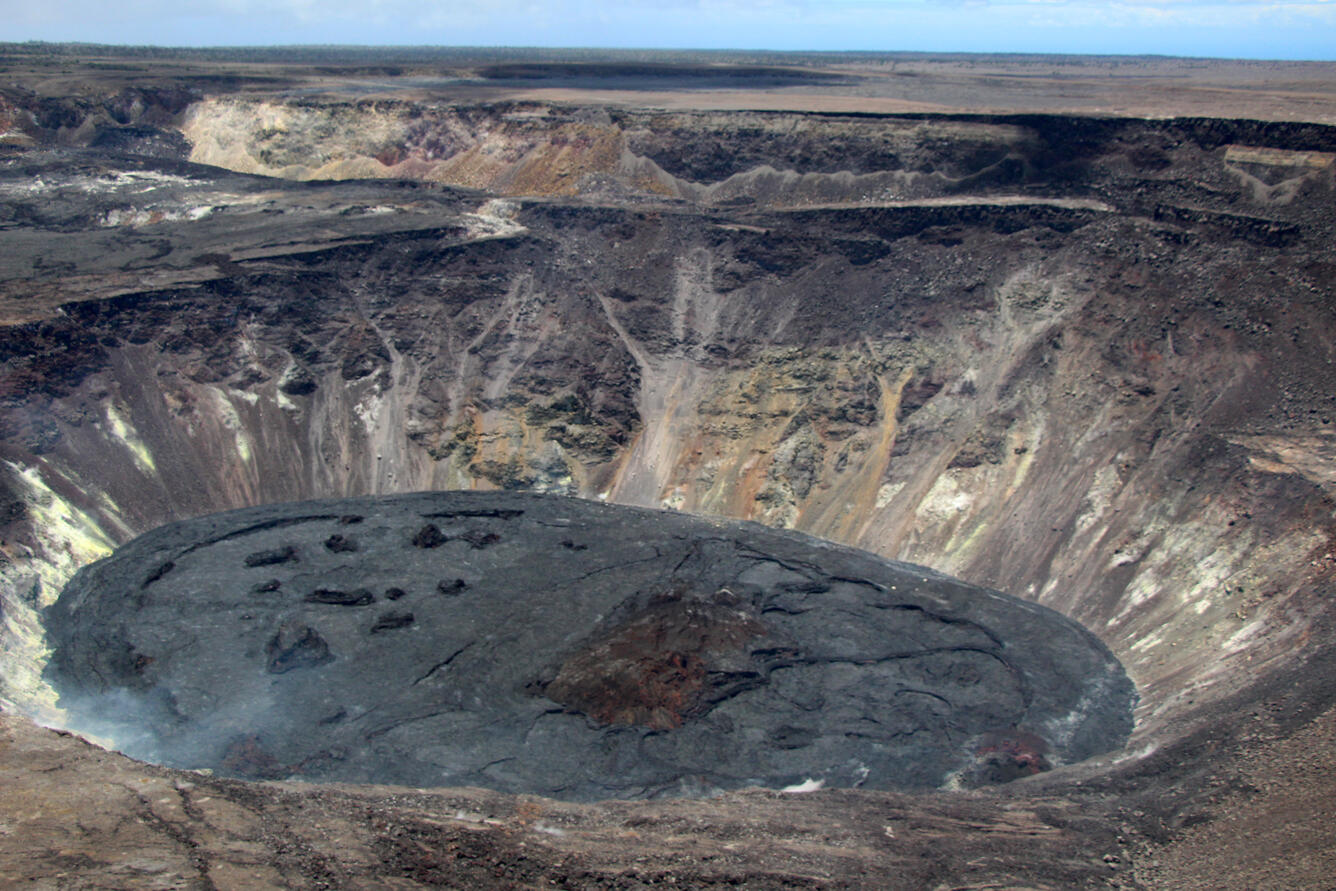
<point x="567" y="648"/>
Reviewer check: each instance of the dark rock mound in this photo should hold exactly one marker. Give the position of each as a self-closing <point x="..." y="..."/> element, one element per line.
<point x="665" y="654"/>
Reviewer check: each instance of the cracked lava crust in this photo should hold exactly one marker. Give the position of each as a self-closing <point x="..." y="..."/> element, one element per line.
<point x="549" y="645"/>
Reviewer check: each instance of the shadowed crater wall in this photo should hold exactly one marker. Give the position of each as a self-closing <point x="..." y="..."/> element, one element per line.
<point x="556" y="646"/>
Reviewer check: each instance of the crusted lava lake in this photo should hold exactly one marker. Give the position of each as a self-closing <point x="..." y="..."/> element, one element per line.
<point x="550" y="645"/>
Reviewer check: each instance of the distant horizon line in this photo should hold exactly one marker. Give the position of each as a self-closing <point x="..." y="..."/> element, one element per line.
<point x="923" y="54"/>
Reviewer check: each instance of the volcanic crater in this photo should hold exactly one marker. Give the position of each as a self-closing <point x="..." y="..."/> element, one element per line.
<point x="1051" y="327"/>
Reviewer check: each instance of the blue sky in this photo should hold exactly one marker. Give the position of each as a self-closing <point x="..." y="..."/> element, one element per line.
<point x="1292" y="29"/>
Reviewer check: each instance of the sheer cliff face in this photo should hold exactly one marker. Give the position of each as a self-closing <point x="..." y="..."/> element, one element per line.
<point x="1085" y="362"/>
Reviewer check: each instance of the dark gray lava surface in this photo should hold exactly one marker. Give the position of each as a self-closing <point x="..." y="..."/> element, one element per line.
<point x="567" y="648"/>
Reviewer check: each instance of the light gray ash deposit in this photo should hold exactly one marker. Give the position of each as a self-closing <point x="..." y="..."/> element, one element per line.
<point x="567" y="648"/>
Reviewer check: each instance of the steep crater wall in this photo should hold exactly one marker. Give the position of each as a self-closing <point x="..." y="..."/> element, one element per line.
<point x="1094" y="373"/>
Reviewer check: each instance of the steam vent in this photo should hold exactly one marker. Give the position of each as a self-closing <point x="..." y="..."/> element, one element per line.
<point x="566" y="648"/>
<point x="536" y="469"/>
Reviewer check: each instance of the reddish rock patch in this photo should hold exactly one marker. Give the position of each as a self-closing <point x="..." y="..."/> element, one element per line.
<point x="653" y="669"/>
